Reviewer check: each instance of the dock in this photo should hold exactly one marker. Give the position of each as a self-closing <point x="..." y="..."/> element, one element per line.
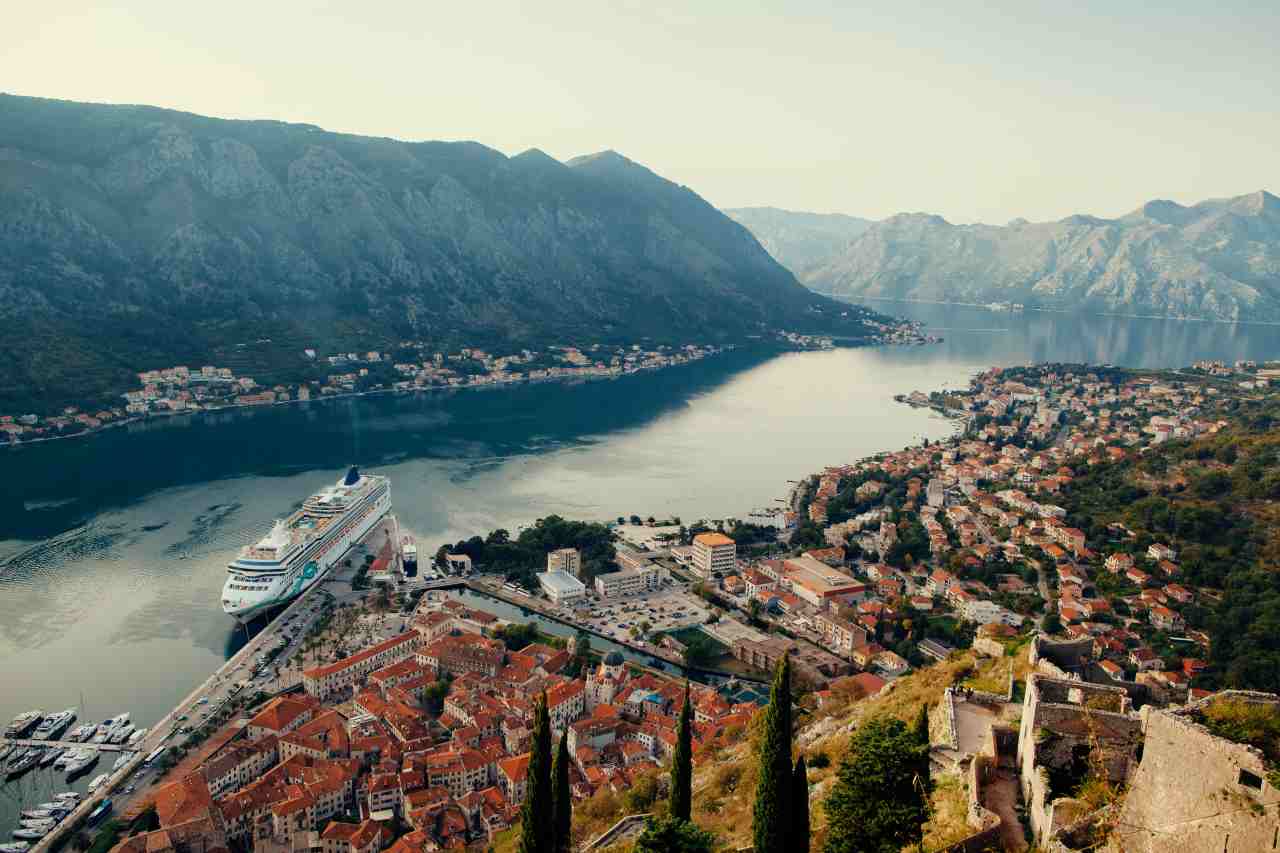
<point x="73" y="744"/>
<point x="165" y="730"/>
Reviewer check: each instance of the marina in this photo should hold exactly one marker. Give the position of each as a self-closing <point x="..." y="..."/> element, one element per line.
<point x="360" y="521"/>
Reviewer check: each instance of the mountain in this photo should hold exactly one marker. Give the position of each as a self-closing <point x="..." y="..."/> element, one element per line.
<point x="800" y="241"/>
<point x="133" y="237"/>
<point x="1219" y="259"/>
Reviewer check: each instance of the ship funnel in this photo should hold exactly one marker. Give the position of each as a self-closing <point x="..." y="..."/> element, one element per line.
<point x="353" y="476"/>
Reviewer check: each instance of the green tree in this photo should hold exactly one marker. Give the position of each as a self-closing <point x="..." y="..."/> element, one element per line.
<point x="800" y="806"/>
<point x="682" y="764"/>
<point x="535" y="830"/>
<point x="877" y="804"/>
<point x="1052" y="624"/>
<point x="672" y="835"/>
<point x="562" y="797"/>
<point x="771" y="816"/>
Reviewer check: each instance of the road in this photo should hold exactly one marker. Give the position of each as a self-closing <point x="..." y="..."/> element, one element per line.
<point x="203" y="702"/>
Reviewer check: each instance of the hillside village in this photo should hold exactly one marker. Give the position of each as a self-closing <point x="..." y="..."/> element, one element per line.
<point x="1067" y="660"/>
<point x="181" y="389"/>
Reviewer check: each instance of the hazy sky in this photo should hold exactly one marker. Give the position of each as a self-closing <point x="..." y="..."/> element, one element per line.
<point x="1012" y="109"/>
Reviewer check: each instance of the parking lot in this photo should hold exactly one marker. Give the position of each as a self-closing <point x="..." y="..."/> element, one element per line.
<point x="667" y="609"/>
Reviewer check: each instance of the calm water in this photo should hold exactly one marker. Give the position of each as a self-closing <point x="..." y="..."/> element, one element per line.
<point x="112" y="549"/>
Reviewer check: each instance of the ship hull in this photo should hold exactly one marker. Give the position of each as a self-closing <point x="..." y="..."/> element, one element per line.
<point x="310" y="567"/>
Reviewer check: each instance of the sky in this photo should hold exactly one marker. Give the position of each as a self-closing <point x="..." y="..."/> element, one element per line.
<point x="1030" y="109"/>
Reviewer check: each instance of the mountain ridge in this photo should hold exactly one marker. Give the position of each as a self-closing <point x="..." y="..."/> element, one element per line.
<point x="134" y="237"/>
<point x="1218" y="259"/>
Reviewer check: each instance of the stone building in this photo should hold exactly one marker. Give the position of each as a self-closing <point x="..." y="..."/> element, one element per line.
<point x="1071" y="732"/>
<point x="1195" y="792"/>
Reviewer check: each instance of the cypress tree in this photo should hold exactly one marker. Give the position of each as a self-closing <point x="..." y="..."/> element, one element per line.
<point x="771" y="820"/>
<point x="561" y="797"/>
<point x="535" y="829"/>
<point x="800" y="806"/>
<point x="682" y="764"/>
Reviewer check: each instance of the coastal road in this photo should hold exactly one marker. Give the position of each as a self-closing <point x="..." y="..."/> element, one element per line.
<point x="202" y="702"/>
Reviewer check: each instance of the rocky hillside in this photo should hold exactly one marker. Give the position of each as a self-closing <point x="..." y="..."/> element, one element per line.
<point x="1219" y="259"/>
<point x="800" y="241"/>
<point x="135" y="237"/>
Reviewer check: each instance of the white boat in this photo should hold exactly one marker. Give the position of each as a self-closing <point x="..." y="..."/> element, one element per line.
<point x="33" y="834"/>
<point x="137" y="736"/>
<point x="300" y="550"/>
<point x="122" y="760"/>
<point x="46" y="824"/>
<point x="81" y="733"/>
<point x="82" y="762"/>
<point x="15" y="847"/>
<point x="98" y="782"/>
<point x="69" y="796"/>
<point x="23" y="723"/>
<point x="121" y="733"/>
<point x="42" y="814"/>
<point x="54" y="724"/>
<point x="58" y="806"/>
<point x="52" y="756"/>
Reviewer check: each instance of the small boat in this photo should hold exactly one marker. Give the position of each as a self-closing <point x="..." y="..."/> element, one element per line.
<point x="103" y="809"/>
<point x="123" y="759"/>
<point x="98" y="782"/>
<point x="42" y="814"/>
<point x="45" y="823"/>
<point x="33" y="834"/>
<point x="121" y="733"/>
<point x="51" y="756"/>
<point x="81" y="733"/>
<point x="15" y="847"/>
<point x="137" y="736"/>
<point x="56" y="806"/>
<point x="23" y="723"/>
<point x="69" y="796"/>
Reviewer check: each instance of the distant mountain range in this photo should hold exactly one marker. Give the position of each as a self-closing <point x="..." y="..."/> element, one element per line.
<point x="799" y="241"/>
<point x="133" y="237"/>
<point x="1219" y="259"/>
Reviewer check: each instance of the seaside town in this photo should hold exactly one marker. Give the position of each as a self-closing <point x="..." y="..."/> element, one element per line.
<point x="412" y="367"/>
<point x="418" y="738"/>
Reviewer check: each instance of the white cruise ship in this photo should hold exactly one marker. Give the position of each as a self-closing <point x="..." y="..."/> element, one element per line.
<point x="300" y="550"/>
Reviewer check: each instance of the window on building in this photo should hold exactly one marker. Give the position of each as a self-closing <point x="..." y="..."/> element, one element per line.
<point x="1250" y="780"/>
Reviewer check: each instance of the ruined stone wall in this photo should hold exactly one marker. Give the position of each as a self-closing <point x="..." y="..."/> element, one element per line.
<point x="988" y="646"/>
<point x="1066" y="655"/>
<point x="1060" y="731"/>
<point x="1197" y="793"/>
<point x="985" y="823"/>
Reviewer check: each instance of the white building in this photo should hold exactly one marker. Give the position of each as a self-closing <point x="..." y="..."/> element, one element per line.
<point x="713" y="554"/>
<point x="562" y="588"/>
<point x="628" y="582"/>
<point x="565" y="560"/>
<point x="986" y="612"/>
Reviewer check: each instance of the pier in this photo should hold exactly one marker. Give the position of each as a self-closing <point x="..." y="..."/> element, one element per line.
<point x="73" y="744"/>
<point x="217" y="689"/>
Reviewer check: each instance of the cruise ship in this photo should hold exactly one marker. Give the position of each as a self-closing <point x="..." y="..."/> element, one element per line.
<point x="300" y="550"/>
